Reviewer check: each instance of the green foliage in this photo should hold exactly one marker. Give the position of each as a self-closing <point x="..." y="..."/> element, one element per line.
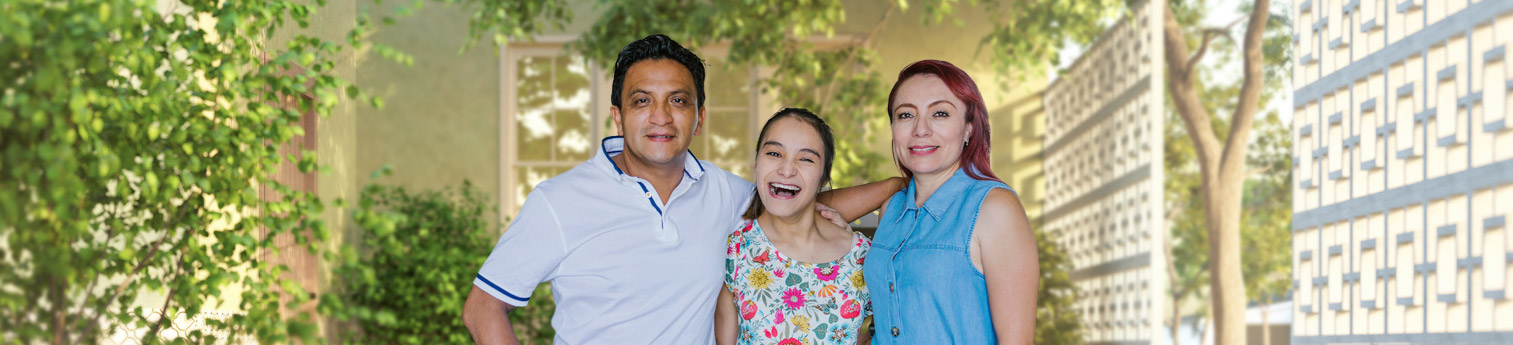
<point x="134" y="146"/>
<point x="1267" y="227"/>
<point x="1055" y="321"/>
<point x="138" y="145"/>
<point x="1030" y="34"/>
<point x="420" y="251"/>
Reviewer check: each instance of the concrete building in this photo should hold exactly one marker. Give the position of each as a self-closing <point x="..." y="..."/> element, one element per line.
<point x="1404" y="171"/>
<point x="1104" y="176"/>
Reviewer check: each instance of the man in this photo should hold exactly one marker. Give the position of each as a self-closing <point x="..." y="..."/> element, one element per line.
<point x="633" y="239"/>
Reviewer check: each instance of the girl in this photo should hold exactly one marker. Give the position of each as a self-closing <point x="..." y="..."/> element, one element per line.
<point x="791" y="279"/>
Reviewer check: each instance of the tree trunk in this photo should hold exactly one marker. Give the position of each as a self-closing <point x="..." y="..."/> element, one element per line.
<point x="1171" y="276"/>
<point x="1222" y="164"/>
<point x="1266" y="323"/>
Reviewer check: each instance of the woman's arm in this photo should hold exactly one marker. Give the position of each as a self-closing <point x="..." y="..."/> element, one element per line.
<point x="1012" y="266"/>
<point x="854" y="202"/>
<point x="726" y="314"/>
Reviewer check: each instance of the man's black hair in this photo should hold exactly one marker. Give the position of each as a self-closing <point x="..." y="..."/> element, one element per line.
<point x="656" y="47"/>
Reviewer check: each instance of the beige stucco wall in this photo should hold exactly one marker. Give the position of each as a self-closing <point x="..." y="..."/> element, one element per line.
<point x="440" y="123"/>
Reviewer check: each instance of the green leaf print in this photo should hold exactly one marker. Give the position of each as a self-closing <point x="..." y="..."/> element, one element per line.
<point x="822" y="328"/>
<point x="834" y="318"/>
<point x="793" y="279"/>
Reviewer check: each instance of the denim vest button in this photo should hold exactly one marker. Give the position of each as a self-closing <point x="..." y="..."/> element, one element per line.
<point x="890" y="287"/>
<point x="895" y="331"/>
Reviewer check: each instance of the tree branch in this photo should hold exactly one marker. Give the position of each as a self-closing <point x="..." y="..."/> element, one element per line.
<point x="1208" y="35"/>
<point x="1250" y="91"/>
<point x="1256" y="171"/>
<point x="1185" y="97"/>
<point x="151" y="253"/>
<point x="850" y="59"/>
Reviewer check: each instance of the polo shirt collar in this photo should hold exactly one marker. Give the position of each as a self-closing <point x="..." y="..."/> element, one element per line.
<point x="614" y="145"/>
<point x="942" y="199"/>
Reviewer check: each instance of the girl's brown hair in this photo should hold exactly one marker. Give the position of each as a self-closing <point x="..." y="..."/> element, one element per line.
<point x="807" y="117"/>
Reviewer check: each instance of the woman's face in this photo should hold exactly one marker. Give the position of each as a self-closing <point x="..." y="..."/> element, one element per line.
<point x="930" y="126"/>
<point x="790" y="166"/>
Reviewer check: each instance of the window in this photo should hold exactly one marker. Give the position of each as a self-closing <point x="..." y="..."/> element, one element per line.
<point x="555" y="111"/>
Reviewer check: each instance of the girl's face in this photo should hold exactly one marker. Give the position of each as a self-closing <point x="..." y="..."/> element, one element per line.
<point x="790" y="166"/>
<point x="930" y="126"/>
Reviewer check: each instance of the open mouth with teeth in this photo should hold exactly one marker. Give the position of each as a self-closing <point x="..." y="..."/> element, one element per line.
<point x="660" y="138"/>
<point x="920" y="150"/>
<point x="783" y="190"/>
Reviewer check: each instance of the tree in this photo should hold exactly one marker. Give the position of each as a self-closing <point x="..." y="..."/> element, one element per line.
<point x="134" y="143"/>
<point x="1221" y="153"/>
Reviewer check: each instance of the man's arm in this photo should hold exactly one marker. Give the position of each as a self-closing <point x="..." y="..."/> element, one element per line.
<point x="856" y="201"/>
<point x="726" y="318"/>
<point x="488" y="319"/>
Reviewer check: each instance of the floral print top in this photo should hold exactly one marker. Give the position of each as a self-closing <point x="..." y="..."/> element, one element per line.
<point x="789" y="302"/>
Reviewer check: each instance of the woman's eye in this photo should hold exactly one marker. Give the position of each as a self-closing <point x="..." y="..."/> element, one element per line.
<point x="773" y="154"/>
<point x="810" y="160"/>
<point x="941" y="114"/>
<point x="905" y="115"/>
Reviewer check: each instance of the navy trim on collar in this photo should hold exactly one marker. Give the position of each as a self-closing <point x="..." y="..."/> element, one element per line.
<point x="688" y="163"/>
<point x="687" y="171"/>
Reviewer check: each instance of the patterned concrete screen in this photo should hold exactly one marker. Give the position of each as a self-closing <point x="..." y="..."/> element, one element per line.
<point x="1404" y="170"/>
<point x="1103" y="156"/>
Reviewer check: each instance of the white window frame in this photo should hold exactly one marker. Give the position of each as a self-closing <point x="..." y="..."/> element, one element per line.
<point x="760" y="107"/>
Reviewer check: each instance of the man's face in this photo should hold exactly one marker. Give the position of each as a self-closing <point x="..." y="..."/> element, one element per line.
<point x="659" y="112"/>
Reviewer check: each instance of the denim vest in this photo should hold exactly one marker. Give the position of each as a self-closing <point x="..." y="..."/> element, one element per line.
<point x="924" y="287"/>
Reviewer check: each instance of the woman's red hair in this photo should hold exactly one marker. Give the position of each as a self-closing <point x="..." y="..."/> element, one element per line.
<point x="975" y="157"/>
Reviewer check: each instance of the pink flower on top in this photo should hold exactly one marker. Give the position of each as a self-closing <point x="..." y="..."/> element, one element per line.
<point x="793" y="298"/>
<point x="790" y="341"/>
<point x="748" y="310"/>
<point x="826" y="273"/>
<point x="851" y="309"/>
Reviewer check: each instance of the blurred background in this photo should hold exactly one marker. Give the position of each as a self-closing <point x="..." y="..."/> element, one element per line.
<point x="336" y="171"/>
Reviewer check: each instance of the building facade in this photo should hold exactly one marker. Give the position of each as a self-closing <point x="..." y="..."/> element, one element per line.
<point x="1404" y="171"/>
<point x="1104" y="175"/>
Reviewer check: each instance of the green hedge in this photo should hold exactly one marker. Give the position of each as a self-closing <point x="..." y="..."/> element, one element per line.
<point x="419" y="254"/>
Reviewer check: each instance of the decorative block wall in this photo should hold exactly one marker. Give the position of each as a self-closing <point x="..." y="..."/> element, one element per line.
<point x="1403" y="164"/>
<point x="1103" y="172"/>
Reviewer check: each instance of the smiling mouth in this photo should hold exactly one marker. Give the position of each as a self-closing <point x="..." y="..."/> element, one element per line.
<point x="922" y="150"/>
<point x="660" y="138"/>
<point x="783" y="190"/>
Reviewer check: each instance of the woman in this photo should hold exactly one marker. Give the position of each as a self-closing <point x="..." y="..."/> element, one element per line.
<point x="954" y="258"/>
<point x="791" y="279"/>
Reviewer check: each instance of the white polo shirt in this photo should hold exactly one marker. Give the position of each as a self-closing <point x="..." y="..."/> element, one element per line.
<point x="625" y="268"/>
